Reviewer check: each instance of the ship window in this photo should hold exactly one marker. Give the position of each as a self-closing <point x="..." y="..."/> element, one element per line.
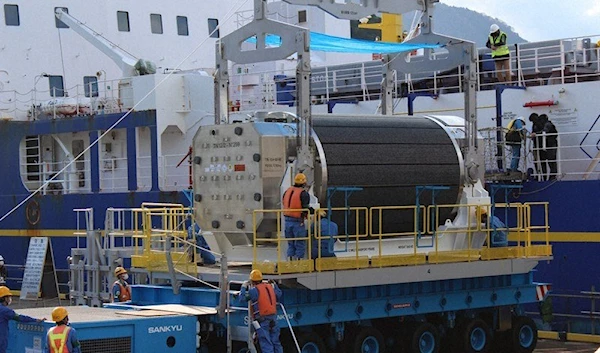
<point x="302" y="16"/>
<point x="90" y="86"/>
<point x="182" y="26"/>
<point x="57" y="88"/>
<point x="213" y="30"/>
<point x="156" y="23"/>
<point x="59" y="23"/>
<point x="123" y="21"/>
<point x="11" y="15"/>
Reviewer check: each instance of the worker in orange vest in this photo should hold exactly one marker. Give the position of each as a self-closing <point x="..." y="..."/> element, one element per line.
<point x="121" y="292"/>
<point x="263" y="297"/>
<point x="296" y="198"/>
<point x="61" y="338"/>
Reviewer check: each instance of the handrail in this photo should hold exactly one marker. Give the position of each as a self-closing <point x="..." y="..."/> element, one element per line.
<point x="473" y="239"/>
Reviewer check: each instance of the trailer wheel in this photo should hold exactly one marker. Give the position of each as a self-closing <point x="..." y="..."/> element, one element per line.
<point x="524" y="334"/>
<point x="425" y="339"/>
<point x="240" y="347"/>
<point x="476" y="336"/>
<point x="310" y="342"/>
<point x="368" y="340"/>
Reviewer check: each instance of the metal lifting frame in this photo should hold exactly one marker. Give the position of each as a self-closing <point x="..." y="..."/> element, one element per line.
<point x="460" y="52"/>
<point x="294" y="40"/>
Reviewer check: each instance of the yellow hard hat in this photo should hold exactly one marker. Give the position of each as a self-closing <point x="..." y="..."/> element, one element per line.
<point x="4" y="291"/>
<point x="300" y="179"/>
<point x="120" y="271"/>
<point x="256" y="276"/>
<point x="59" y="313"/>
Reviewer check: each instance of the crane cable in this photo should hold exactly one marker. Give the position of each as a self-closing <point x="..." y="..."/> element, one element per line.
<point x="229" y="15"/>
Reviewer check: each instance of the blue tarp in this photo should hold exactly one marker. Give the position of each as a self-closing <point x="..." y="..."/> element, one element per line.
<point x="324" y="42"/>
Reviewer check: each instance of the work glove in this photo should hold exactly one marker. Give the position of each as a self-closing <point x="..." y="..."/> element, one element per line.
<point x="245" y="285"/>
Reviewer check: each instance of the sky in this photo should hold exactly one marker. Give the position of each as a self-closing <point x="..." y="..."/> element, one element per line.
<point x="537" y="20"/>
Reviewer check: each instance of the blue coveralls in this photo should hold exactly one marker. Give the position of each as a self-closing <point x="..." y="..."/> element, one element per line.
<point x="7" y="314"/>
<point x="268" y="334"/>
<point x="194" y="233"/>
<point x="72" y="342"/>
<point x="499" y="236"/>
<point x="295" y="228"/>
<point x="328" y="228"/>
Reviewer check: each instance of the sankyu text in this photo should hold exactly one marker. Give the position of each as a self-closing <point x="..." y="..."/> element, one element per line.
<point x="161" y="329"/>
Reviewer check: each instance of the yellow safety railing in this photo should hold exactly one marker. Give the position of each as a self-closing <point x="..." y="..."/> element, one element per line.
<point x="377" y="220"/>
<point x="469" y="236"/>
<point x="364" y="238"/>
<point x="314" y="233"/>
<point x="164" y="233"/>
<point x="543" y="249"/>
<point x="344" y="260"/>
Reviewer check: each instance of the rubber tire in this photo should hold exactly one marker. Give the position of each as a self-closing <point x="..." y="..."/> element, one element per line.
<point x="374" y="337"/>
<point x="524" y="334"/>
<point x="310" y="342"/>
<point x="426" y="331"/>
<point x="239" y="347"/>
<point x="477" y="327"/>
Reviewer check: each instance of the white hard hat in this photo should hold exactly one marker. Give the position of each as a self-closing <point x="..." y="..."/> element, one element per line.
<point x="494" y="28"/>
<point x="1" y="258"/>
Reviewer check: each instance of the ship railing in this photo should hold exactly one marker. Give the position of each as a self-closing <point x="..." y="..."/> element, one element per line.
<point x="531" y="64"/>
<point x="363" y="241"/>
<point x="577" y="156"/>
<point x="113" y="173"/>
<point x="174" y="176"/>
<point x="144" y="172"/>
<point x="569" y="311"/>
<point x="70" y="181"/>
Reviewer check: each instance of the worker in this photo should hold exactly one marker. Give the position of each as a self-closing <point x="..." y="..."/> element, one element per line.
<point x="121" y="292"/>
<point x="7" y="314"/>
<point x="3" y="272"/>
<point x="62" y="338"/>
<point x="263" y="297"/>
<point x="328" y="232"/>
<point x="498" y="237"/>
<point x="500" y="53"/>
<point x="546" y="142"/>
<point x="194" y="233"/>
<point x="296" y="198"/>
<point x="514" y="138"/>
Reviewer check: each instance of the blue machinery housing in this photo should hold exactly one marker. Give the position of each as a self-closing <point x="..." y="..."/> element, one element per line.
<point x="317" y="316"/>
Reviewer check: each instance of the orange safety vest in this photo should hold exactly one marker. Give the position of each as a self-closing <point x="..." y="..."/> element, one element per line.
<point x="266" y="299"/>
<point x="57" y="339"/>
<point x="124" y="292"/>
<point x="292" y="201"/>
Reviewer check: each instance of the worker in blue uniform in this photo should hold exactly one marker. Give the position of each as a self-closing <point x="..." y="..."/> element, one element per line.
<point x="514" y="138"/>
<point x="62" y="337"/>
<point x="294" y="199"/>
<point x="329" y="230"/>
<point x="263" y="297"/>
<point x="498" y="237"/>
<point x="194" y="233"/>
<point x="7" y="314"/>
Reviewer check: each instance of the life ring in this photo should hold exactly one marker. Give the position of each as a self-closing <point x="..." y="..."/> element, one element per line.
<point x="33" y="212"/>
